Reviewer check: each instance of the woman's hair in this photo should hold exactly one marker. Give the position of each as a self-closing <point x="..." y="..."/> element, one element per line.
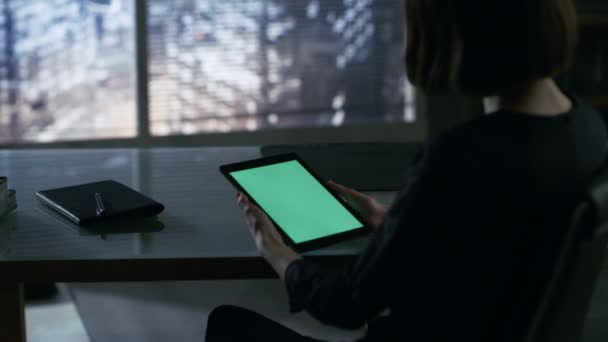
<point x="482" y="47"/>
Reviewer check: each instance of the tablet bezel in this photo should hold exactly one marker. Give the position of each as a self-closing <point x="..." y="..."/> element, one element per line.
<point x="306" y="245"/>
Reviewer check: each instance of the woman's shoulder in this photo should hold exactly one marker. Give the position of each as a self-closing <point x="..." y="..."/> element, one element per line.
<point x="504" y="124"/>
<point x="464" y="138"/>
<point x="488" y="135"/>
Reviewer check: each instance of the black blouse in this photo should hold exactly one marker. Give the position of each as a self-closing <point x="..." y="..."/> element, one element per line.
<point x="464" y="249"/>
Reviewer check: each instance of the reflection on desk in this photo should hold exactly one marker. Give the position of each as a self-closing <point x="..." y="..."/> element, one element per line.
<point x="201" y="219"/>
<point x="7" y="225"/>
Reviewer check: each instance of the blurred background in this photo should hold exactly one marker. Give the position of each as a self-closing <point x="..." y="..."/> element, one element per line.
<point x="68" y="67"/>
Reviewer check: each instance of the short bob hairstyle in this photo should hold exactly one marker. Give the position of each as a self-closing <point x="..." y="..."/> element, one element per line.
<point x="483" y="47"/>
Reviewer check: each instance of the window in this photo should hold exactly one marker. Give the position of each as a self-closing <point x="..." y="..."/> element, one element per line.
<point x="226" y="65"/>
<point x="66" y="70"/>
<point x="67" y="67"/>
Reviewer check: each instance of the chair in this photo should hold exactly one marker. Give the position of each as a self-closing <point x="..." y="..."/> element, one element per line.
<point x="562" y="312"/>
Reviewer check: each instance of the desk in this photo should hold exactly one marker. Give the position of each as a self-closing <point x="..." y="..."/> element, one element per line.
<point x="204" y="235"/>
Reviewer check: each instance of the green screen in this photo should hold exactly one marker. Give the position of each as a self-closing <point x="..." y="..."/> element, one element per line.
<point x="296" y="201"/>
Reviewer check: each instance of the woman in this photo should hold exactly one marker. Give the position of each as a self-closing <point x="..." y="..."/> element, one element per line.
<point x="462" y="251"/>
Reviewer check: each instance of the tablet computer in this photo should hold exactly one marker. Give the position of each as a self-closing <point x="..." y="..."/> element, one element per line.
<point x="307" y="213"/>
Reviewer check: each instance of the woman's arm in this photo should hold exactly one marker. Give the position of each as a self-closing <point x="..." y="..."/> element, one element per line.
<point x="327" y="294"/>
<point x="348" y="298"/>
<point x="267" y="240"/>
<point x="352" y="297"/>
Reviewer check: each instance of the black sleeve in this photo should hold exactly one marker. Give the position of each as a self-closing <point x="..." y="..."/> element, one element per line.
<point x="350" y="298"/>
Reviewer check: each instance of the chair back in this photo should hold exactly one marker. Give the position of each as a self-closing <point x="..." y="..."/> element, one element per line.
<point x="563" y="309"/>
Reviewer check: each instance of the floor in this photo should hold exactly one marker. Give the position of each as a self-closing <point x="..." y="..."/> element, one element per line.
<point x="155" y="312"/>
<point x="55" y="321"/>
<point x="169" y="311"/>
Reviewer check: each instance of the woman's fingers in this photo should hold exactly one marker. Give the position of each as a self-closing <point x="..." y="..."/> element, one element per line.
<point x="242" y="201"/>
<point x="336" y="186"/>
<point x="249" y="207"/>
<point x="267" y="239"/>
<point x="257" y="222"/>
<point x="346" y="191"/>
<point x="340" y="189"/>
<point x="253" y="214"/>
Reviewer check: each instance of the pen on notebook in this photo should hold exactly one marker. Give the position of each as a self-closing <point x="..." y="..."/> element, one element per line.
<point x="101" y="209"/>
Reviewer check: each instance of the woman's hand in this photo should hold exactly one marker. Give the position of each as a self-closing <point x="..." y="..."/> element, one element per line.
<point x="371" y="210"/>
<point x="266" y="237"/>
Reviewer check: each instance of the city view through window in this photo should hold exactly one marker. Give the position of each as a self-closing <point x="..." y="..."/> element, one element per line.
<point x="67" y="67"/>
<point x="66" y="70"/>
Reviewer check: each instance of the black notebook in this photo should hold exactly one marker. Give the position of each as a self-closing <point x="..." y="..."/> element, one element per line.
<point x="98" y="202"/>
